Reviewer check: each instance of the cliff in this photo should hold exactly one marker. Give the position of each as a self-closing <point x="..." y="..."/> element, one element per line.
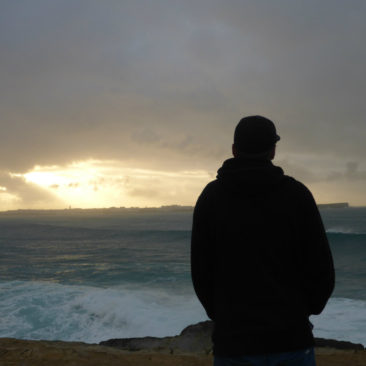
<point x="191" y="348"/>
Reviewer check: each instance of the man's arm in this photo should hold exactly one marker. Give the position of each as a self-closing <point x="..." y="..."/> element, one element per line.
<point x="319" y="275"/>
<point x="202" y="252"/>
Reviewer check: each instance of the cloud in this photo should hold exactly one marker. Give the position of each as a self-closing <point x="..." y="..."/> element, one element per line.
<point x="351" y="173"/>
<point x="161" y="85"/>
<point x="26" y="194"/>
<point x="299" y="172"/>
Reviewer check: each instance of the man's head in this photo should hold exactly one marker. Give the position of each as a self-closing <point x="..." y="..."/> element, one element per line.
<point x="255" y="137"/>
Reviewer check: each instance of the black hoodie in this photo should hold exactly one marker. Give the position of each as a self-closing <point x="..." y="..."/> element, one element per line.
<point x="261" y="262"/>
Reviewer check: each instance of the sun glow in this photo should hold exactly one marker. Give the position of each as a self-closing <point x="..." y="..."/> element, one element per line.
<point x="96" y="183"/>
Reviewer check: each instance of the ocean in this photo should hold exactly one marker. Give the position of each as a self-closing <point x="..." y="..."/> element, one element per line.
<point x="94" y="275"/>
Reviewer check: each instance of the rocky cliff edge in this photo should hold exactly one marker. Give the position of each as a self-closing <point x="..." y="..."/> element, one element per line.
<point x="191" y="348"/>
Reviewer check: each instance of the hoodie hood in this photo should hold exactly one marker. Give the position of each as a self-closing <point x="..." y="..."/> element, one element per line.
<point x="253" y="175"/>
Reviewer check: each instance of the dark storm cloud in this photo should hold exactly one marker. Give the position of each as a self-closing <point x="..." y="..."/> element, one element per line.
<point x="163" y="83"/>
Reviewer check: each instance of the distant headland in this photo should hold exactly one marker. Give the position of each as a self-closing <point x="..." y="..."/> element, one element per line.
<point x="334" y="205"/>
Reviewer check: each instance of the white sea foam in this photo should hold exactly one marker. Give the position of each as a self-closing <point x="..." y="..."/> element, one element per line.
<point x="44" y="310"/>
<point x="41" y="310"/>
<point x="342" y="230"/>
<point x="342" y="319"/>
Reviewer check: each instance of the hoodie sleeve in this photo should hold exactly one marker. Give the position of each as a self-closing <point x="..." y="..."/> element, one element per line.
<point x="202" y="253"/>
<point x="318" y="267"/>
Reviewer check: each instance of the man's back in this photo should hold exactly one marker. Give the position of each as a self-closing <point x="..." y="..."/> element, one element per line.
<point x="261" y="262"/>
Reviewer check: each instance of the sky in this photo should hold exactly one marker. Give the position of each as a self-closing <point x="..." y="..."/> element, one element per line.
<point x="134" y="103"/>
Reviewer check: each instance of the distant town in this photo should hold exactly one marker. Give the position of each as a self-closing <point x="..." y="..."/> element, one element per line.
<point x="95" y="211"/>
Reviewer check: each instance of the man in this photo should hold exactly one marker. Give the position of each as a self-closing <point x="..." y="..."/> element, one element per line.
<point x="261" y="263"/>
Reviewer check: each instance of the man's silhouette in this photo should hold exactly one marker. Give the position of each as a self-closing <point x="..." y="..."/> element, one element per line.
<point x="261" y="263"/>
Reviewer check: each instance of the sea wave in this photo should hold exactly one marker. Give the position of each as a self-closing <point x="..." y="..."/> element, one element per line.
<point x="52" y="311"/>
<point x="344" y="230"/>
<point x="343" y="319"/>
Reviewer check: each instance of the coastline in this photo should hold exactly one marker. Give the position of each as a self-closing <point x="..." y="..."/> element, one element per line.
<point x="190" y="348"/>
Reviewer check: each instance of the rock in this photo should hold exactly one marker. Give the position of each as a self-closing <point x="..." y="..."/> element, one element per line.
<point x="340" y="345"/>
<point x="193" y="339"/>
<point x="197" y="339"/>
<point x="140" y="344"/>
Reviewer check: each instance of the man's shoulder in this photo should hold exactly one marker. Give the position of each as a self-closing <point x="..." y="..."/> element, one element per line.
<point x="291" y="188"/>
<point x="212" y="186"/>
<point x="287" y="182"/>
<point x="295" y="184"/>
<point x="208" y="191"/>
<point x="296" y="190"/>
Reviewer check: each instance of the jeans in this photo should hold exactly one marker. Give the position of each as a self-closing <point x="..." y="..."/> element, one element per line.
<point x="296" y="358"/>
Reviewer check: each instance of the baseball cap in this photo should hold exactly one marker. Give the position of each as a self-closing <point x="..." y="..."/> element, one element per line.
<point x="255" y="135"/>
